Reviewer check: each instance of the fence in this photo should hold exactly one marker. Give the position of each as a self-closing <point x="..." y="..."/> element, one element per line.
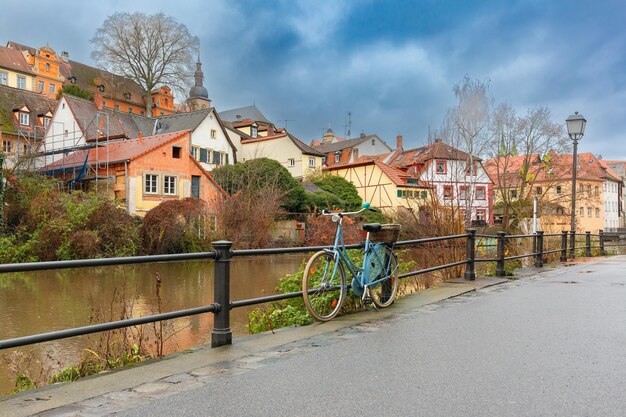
<point x="222" y="255"/>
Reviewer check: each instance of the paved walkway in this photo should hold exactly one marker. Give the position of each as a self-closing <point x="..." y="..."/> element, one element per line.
<point x="132" y="389"/>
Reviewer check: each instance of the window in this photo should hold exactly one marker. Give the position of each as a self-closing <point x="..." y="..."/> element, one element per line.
<point x="470" y="169"/>
<point x="176" y="152"/>
<point x="589" y="189"/>
<point x="311" y="162"/>
<point x="337" y="157"/>
<point x="6" y="146"/>
<point x="558" y="189"/>
<point x="217" y="158"/>
<point x="253" y="132"/>
<point x="581" y="212"/>
<point x="46" y="122"/>
<point x="463" y="192"/>
<point x="513" y="193"/>
<point x="292" y="162"/>
<point x="588" y="211"/>
<point x="399" y="193"/>
<point x="47" y="67"/>
<point x="204" y="155"/>
<point x="597" y="212"/>
<point x="130" y="110"/>
<point x="195" y="152"/>
<point x="51" y="88"/>
<point x="127" y="96"/>
<point x="4" y="78"/>
<point x="441" y="167"/>
<point x="24" y="118"/>
<point x="21" y="82"/>
<point x="151" y="184"/>
<point x="423" y="194"/>
<point x="373" y="142"/>
<point x="213" y="133"/>
<point x="195" y="186"/>
<point x="560" y="210"/>
<point x="596" y="190"/>
<point x="104" y="104"/>
<point x="447" y="191"/>
<point x="66" y="133"/>
<point x="481" y="215"/>
<point x="169" y="185"/>
<point x="40" y="85"/>
<point x="355" y="154"/>
<point x="480" y="193"/>
<point x="166" y="101"/>
<point x="117" y="107"/>
<point x="581" y="188"/>
<point x="539" y="190"/>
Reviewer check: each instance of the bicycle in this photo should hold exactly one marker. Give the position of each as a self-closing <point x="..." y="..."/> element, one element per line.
<point x="324" y="286"/>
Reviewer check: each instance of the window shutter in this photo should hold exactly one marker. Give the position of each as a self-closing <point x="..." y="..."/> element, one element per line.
<point x="204" y="155"/>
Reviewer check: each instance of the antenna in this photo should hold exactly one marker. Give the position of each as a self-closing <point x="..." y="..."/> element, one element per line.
<point x="285" y="122"/>
<point x="348" y="127"/>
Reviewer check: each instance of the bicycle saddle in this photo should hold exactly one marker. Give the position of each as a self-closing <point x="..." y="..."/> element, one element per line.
<point x="372" y="227"/>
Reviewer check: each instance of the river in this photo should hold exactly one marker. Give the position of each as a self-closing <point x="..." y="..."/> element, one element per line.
<point x="43" y="301"/>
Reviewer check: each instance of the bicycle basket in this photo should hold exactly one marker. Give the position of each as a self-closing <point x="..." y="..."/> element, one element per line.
<point x="388" y="233"/>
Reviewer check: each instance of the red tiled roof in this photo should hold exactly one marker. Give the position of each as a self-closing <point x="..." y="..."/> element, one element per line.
<point x="117" y="151"/>
<point x="397" y="176"/>
<point x="14" y="60"/>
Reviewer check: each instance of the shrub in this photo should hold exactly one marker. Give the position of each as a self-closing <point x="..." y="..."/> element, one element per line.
<point x="176" y="226"/>
<point x="342" y="188"/>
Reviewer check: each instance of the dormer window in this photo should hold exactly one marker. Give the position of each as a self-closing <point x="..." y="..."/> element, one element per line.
<point x="72" y="80"/>
<point x="337" y="156"/>
<point x="253" y="132"/>
<point x="127" y="96"/>
<point x="101" y="88"/>
<point x="46" y="122"/>
<point x="24" y="118"/>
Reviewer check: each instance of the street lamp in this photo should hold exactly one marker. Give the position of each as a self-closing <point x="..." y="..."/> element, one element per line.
<point x="575" y="129"/>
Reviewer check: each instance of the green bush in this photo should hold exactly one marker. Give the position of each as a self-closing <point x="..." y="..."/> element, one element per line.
<point x="342" y="188"/>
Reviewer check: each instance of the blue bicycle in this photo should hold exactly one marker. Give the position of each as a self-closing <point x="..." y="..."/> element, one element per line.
<point x="324" y="285"/>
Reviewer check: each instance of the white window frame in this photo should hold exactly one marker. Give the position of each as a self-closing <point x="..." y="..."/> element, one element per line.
<point x="21" y="82"/>
<point x="311" y="162"/>
<point x="148" y="182"/>
<point x="24" y="118"/>
<point x="170" y="181"/>
<point x="6" y="146"/>
<point x="52" y="88"/>
<point x="41" y="86"/>
<point x="213" y="134"/>
<point x="292" y="162"/>
<point x="4" y="78"/>
<point x="46" y="122"/>
<point x="195" y="152"/>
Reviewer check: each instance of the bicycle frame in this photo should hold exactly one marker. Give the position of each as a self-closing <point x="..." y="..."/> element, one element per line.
<point x="340" y="253"/>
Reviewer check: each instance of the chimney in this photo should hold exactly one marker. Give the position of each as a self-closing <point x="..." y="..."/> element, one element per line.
<point x="437" y="140"/>
<point x="399" y="142"/>
<point x="98" y="99"/>
<point x="140" y="137"/>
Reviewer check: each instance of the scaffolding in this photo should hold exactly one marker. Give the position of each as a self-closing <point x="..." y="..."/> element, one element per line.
<point x="57" y="147"/>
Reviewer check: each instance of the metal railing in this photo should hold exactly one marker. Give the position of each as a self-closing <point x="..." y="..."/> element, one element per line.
<point x="223" y="253"/>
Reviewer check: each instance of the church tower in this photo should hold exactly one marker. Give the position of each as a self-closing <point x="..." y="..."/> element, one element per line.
<point x="198" y="95"/>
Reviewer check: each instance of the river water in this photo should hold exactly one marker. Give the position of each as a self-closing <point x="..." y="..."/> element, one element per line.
<point x="43" y="301"/>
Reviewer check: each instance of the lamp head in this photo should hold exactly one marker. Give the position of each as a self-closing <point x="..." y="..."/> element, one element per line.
<point x="576" y="126"/>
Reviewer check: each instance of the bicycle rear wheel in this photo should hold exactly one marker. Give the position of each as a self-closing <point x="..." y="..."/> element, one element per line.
<point x="323" y="286"/>
<point x="384" y="293"/>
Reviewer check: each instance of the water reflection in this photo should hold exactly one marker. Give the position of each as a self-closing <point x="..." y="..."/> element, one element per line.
<point x="42" y="301"/>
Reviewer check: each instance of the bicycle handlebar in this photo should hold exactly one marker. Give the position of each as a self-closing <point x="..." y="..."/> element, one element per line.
<point x="325" y="212"/>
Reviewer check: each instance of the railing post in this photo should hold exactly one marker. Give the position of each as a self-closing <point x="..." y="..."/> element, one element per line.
<point x="602" y="252"/>
<point x="572" y="244"/>
<point x="563" y="246"/>
<point x="222" y="335"/>
<point x="539" y="253"/>
<point x="588" y="244"/>
<point x="500" y="262"/>
<point x="470" y="273"/>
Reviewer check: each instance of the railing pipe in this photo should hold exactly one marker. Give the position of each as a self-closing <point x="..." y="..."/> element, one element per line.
<point x="588" y="244"/>
<point x="500" y="263"/>
<point x="470" y="273"/>
<point x="602" y="252"/>
<point x="222" y="334"/>
<point x="539" y="251"/>
<point x="563" y="246"/>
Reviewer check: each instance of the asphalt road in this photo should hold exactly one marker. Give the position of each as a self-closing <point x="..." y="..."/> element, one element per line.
<point x="552" y="345"/>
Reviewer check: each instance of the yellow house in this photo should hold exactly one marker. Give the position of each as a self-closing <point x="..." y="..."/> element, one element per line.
<point x="385" y="187"/>
<point x="14" y="70"/>
<point x="291" y="152"/>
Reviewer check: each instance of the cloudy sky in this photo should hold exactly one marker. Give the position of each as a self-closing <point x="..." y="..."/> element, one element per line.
<point x="392" y="64"/>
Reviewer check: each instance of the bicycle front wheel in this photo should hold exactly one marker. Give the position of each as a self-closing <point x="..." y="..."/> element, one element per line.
<point x="323" y="286"/>
<point x="384" y="293"/>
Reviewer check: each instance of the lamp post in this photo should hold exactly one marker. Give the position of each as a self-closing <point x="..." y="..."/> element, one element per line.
<point x="575" y="129"/>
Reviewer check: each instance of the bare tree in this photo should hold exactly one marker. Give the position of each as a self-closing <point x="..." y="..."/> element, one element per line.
<point x="524" y="160"/>
<point x="149" y="49"/>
